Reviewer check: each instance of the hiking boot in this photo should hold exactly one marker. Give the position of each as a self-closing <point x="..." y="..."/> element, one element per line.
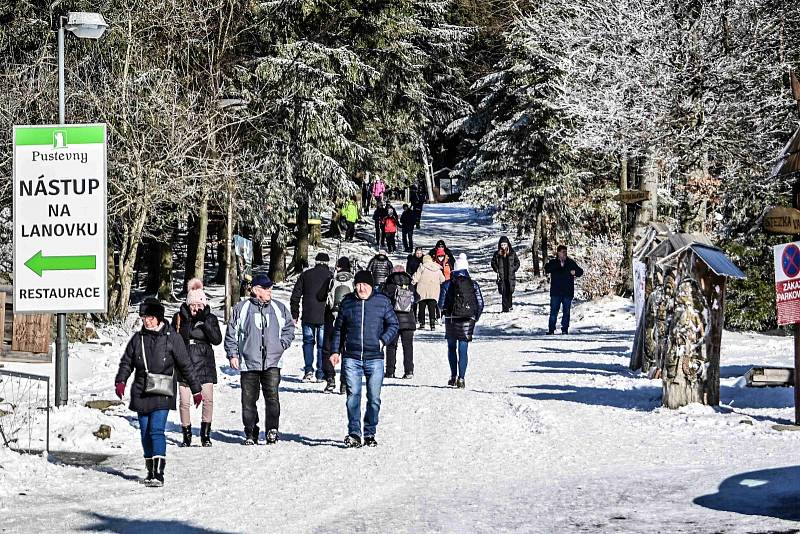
<point x="331" y="386"/>
<point x="433" y="327"/>
<point x="389" y="375"/>
<point x="251" y="436"/>
<point x="460" y="384"/>
<point x="205" y="434"/>
<point x="408" y="376"/>
<point x="369" y="441"/>
<point x="272" y="436"/>
<point x="452" y="381"/>
<point x="148" y="463"/>
<point x="422" y="326"/>
<point x="352" y="441"/>
<point x="158" y="472"/>
<point x="309" y="377"/>
<point x="187" y="436"/>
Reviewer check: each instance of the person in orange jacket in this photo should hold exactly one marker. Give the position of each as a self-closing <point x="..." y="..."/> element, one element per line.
<point x="390" y="224"/>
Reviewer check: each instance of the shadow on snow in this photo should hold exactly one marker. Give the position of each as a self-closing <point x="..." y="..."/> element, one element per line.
<point x="123" y="525"/>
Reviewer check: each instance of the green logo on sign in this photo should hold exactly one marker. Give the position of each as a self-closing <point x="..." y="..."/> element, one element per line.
<point x="59" y="139"/>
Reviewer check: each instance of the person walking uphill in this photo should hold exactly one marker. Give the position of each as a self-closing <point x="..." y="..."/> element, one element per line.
<point x="350" y="214"/>
<point x="462" y="305"/>
<point x="563" y="271"/>
<point x="307" y="289"/>
<point x="506" y="264"/>
<point x="340" y="286"/>
<point x="199" y="329"/>
<point x="428" y="280"/>
<point x="390" y="224"/>
<point x="407" y="222"/>
<point x="399" y="290"/>
<point x="380" y="267"/>
<point x="152" y="356"/>
<point x="380" y="213"/>
<point x="259" y="331"/>
<point x="365" y="324"/>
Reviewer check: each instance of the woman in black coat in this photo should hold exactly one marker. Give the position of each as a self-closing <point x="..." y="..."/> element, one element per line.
<point x="398" y="282"/>
<point x="506" y="264"/>
<point x="199" y="329"/>
<point x="164" y="352"/>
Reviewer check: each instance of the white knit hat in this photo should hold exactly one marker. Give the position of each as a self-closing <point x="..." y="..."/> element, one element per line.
<point x="461" y="263"/>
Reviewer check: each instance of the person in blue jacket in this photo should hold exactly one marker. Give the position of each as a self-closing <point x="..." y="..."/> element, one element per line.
<point x="365" y="325"/>
<point x="461" y="302"/>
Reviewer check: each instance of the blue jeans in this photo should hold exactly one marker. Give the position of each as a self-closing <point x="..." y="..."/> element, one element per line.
<point x="457" y="354"/>
<point x="313" y="334"/>
<point x="353" y="370"/>
<point x="151" y="426"/>
<point x="565" y="303"/>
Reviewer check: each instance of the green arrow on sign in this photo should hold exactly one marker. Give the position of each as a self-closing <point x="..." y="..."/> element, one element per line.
<point x="39" y="263"/>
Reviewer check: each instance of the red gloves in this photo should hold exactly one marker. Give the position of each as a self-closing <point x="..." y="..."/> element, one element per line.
<point x="120" y="389"/>
<point x="198" y="398"/>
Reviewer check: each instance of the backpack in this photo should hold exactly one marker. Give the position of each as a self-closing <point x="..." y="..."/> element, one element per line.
<point x="403" y="299"/>
<point x="465" y="302"/>
<point x="341" y="286"/>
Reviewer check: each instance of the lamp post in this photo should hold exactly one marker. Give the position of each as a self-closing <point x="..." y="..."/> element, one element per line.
<point x="84" y="26"/>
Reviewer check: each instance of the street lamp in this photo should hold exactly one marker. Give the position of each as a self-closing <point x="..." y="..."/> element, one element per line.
<point x="85" y="26"/>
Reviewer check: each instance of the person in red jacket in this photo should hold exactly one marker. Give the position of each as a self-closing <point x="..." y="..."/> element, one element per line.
<point x="390" y="224"/>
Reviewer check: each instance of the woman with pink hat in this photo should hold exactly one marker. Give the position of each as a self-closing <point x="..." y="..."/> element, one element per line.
<point x="200" y="330"/>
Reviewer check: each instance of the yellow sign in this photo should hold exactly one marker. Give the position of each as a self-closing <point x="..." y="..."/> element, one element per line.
<point x="782" y="220"/>
<point x="632" y="196"/>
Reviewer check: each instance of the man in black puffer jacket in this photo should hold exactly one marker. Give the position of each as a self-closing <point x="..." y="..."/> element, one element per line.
<point x="365" y="324"/>
<point x="380" y="267"/>
<point x="563" y="271"/>
<point x="308" y="288"/>
<point x="400" y="291"/>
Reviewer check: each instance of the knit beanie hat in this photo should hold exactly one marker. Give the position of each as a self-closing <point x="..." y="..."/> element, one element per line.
<point x="461" y="263"/>
<point x="364" y="277"/>
<point x="322" y="258"/>
<point x="151" y="306"/>
<point x="343" y="264"/>
<point x="195" y="294"/>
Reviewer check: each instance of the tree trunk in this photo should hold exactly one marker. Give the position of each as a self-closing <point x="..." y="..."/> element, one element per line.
<point x="537" y="236"/>
<point x="277" y="258"/>
<point x="258" y="249"/>
<point x="300" y="258"/>
<point x="426" y="162"/>
<point x="191" y="249"/>
<point x="202" y="239"/>
<point x="165" y="271"/>
<point x="543" y="224"/>
<point x="230" y="271"/>
<point x="120" y="294"/>
<point x="222" y="265"/>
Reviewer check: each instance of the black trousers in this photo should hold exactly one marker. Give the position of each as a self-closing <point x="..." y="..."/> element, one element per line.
<point x="408" y="240"/>
<point x="328" y="371"/>
<point x="505" y="293"/>
<point x="407" y="337"/>
<point x="254" y="382"/>
<point x="418" y="212"/>
<point x="391" y="245"/>
<point x="380" y="236"/>
<point x="351" y="231"/>
<point x="430" y="304"/>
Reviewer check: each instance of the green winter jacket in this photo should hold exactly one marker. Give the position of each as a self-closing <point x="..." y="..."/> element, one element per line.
<point x="350" y="212"/>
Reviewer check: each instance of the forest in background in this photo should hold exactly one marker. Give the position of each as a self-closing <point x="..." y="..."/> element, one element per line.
<point x="280" y="109"/>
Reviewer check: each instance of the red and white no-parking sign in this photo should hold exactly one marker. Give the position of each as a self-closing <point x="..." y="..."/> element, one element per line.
<point x="787" y="282"/>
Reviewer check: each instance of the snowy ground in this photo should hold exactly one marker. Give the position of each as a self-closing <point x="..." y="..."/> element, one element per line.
<point x="552" y="434"/>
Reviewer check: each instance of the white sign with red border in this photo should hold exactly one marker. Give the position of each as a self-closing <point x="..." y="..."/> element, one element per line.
<point x="787" y="282"/>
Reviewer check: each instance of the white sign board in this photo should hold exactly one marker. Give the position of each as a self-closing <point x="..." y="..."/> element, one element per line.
<point x="639" y="286"/>
<point x="60" y="219"/>
<point x="787" y="282"/>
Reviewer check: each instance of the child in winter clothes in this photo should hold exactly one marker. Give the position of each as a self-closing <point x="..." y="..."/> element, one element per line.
<point x="441" y="257"/>
<point x="199" y="329"/>
<point x="390" y="224"/>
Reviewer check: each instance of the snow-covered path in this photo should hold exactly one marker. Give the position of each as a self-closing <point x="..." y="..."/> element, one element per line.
<point x="552" y="434"/>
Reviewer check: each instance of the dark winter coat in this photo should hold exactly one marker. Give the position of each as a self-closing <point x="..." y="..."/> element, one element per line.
<point x="199" y="333"/>
<point x="562" y="283"/>
<point x="308" y="288"/>
<point x="381" y="267"/>
<point x="450" y="258"/>
<point x="407" y="220"/>
<point x="166" y="353"/>
<point x="456" y="328"/>
<point x="506" y="267"/>
<point x="362" y="325"/>
<point x="406" y="320"/>
<point x="419" y="196"/>
<point x="412" y="264"/>
<point x="380" y="213"/>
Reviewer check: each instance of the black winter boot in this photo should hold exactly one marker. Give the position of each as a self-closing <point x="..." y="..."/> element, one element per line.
<point x="187" y="436"/>
<point x="148" y="463"/>
<point x="460" y="384"/>
<point x="158" y="471"/>
<point x="205" y="434"/>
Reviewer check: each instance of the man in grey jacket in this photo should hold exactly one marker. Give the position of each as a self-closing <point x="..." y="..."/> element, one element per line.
<point x="259" y="331"/>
